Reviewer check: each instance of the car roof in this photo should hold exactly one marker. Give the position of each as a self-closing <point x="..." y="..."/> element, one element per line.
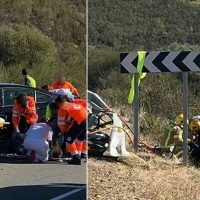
<point x="12" y="85"/>
<point x="2" y="85"/>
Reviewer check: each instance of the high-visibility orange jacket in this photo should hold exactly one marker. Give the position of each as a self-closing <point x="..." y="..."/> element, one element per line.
<point x="66" y="85"/>
<point x="82" y="102"/>
<point x="70" y="113"/>
<point x="29" y="112"/>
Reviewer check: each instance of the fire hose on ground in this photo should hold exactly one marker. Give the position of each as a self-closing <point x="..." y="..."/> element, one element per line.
<point x="147" y="147"/>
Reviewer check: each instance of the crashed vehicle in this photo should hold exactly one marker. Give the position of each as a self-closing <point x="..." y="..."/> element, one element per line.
<point x="8" y="93"/>
<point x="99" y="142"/>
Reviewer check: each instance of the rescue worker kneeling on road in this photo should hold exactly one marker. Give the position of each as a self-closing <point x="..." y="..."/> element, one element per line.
<point x="174" y="137"/>
<point x="24" y="113"/>
<point x="37" y="142"/>
<point x="72" y="123"/>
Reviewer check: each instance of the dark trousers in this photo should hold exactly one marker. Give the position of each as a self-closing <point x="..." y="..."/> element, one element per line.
<point x="12" y="143"/>
<point x="77" y="131"/>
<point x="55" y="129"/>
<point x="23" y="125"/>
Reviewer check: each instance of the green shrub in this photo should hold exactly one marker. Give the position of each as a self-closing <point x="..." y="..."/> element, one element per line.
<point x="26" y="46"/>
<point x="47" y="36"/>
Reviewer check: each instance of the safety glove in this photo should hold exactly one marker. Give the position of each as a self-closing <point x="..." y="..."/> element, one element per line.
<point x="17" y="131"/>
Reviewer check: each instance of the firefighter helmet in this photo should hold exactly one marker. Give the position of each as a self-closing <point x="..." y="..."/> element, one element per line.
<point x="179" y="119"/>
<point x="194" y="125"/>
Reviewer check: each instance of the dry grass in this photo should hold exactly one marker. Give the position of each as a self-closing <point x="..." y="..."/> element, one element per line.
<point x="144" y="176"/>
<point x="134" y="178"/>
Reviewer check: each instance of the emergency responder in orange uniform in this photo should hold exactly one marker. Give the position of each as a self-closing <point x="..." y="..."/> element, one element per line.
<point x="82" y="102"/>
<point x="72" y="122"/>
<point x="83" y="152"/>
<point x="174" y="137"/>
<point x="62" y="83"/>
<point x="24" y="113"/>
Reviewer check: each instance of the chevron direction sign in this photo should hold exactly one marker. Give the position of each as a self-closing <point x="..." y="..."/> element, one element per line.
<point x="174" y="61"/>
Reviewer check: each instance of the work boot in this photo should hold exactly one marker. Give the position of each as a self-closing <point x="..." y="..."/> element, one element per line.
<point x="76" y="160"/>
<point x="83" y="157"/>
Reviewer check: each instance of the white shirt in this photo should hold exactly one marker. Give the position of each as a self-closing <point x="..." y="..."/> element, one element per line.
<point x="61" y="91"/>
<point x="40" y="132"/>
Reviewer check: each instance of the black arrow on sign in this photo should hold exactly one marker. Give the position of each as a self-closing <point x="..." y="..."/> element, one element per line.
<point x="197" y="60"/>
<point x="178" y="61"/>
<point x="135" y="62"/>
<point x="122" y="57"/>
<point x="158" y="61"/>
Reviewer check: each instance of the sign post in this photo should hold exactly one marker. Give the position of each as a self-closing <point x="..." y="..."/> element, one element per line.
<point x="185" y="114"/>
<point x="159" y="62"/>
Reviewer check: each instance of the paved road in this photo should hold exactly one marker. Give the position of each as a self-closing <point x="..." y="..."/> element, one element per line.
<point x="51" y="181"/>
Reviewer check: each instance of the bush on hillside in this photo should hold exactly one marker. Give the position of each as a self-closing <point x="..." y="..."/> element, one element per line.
<point x="47" y="36"/>
<point x="26" y="46"/>
<point x="148" y="25"/>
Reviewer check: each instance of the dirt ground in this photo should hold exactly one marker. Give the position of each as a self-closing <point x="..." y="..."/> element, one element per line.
<point x="147" y="177"/>
<point x="144" y="176"/>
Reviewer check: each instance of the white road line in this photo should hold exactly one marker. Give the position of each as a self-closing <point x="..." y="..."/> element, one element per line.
<point x="68" y="194"/>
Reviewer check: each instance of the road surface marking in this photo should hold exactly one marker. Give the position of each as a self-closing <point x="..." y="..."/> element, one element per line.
<point x="68" y="194"/>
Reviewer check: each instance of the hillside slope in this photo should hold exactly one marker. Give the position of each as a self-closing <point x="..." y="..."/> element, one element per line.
<point x="47" y="36"/>
<point x="149" y="25"/>
<point x="123" y="26"/>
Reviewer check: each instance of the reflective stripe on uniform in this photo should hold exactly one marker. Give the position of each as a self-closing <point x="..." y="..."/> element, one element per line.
<point x="15" y="115"/>
<point x="167" y="139"/>
<point x="61" y="123"/>
<point x="61" y="118"/>
<point x="33" y="109"/>
<point x="179" y="153"/>
<point x="74" y="153"/>
<point x="176" y="136"/>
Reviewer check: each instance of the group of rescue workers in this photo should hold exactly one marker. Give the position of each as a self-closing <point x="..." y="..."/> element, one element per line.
<point x="61" y="131"/>
<point x="172" y="140"/>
